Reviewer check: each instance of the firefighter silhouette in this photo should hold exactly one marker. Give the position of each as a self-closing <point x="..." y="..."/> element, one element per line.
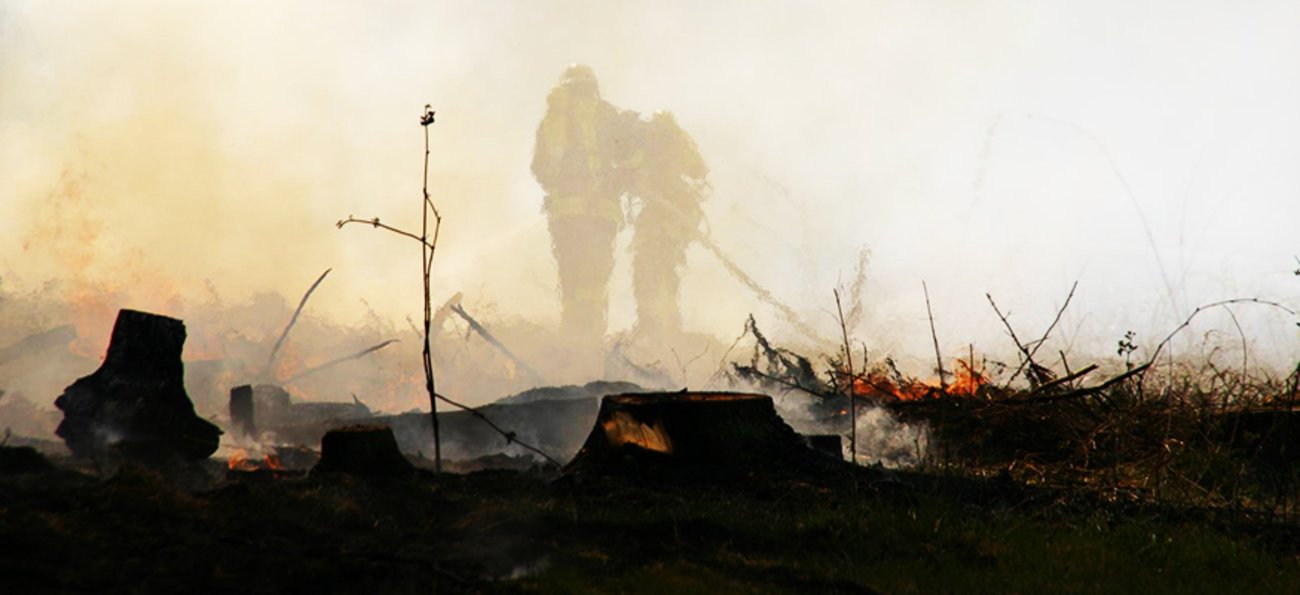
<point x="588" y="155"/>
<point x="669" y="183"/>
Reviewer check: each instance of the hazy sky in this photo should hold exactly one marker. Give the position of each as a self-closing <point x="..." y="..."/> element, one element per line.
<point x="1148" y="150"/>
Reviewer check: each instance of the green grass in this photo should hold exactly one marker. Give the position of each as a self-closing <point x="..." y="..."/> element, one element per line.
<point x="723" y="541"/>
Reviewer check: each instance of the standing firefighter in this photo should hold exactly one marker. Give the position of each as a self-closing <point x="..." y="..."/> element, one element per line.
<point x="581" y="144"/>
<point x="670" y="182"/>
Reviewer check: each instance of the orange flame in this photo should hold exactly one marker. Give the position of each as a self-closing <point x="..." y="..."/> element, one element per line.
<point x="272" y="462"/>
<point x="240" y="461"/>
<point x="967" y="382"/>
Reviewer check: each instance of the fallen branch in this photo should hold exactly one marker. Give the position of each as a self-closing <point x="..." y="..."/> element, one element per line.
<point x="1083" y="392"/>
<point x="270" y="359"/>
<point x="511" y="437"/>
<point x="491" y="340"/>
<point x="335" y="362"/>
<point x="1055" y="383"/>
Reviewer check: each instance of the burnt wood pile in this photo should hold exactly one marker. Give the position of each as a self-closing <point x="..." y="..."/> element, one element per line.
<point x="135" y="405"/>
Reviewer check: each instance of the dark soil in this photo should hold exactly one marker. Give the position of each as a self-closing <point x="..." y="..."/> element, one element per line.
<point x="653" y="528"/>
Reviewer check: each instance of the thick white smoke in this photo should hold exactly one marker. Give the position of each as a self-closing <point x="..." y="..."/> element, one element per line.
<point x="168" y="152"/>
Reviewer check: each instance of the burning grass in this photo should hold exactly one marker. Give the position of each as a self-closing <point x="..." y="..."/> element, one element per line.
<point x="1162" y="431"/>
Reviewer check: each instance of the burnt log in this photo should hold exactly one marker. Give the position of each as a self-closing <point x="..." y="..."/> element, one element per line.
<point x="135" y="405"/>
<point x="366" y="450"/>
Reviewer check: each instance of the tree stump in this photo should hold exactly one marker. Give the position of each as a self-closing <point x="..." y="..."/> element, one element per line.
<point x="691" y="429"/>
<point x="368" y="450"/>
<point x="135" y="406"/>
<point x="242" y="419"/>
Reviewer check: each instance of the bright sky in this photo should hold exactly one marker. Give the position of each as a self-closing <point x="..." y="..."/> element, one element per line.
<point x="1148" y="150"/>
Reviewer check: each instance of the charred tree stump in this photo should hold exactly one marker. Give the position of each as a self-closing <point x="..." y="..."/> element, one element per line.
<point x="135" y="406"/>
<point x="272" y="405"/>
<point x="712" y="430"/>
<point x="369" y="450"/>
<point x="242" y="418"/>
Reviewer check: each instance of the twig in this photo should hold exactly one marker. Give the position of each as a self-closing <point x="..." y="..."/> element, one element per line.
<point x="270" y="359"/>
<point x="440" y="315"/>
<point x="752" y="371"/>
<point x="1204" y="307"/>
<point x="762" y="293"/>
<point x="337" y="361"/>
<point x="1058" y="382"/>
<point x="685" y="367"/>
<point x="428" y="247"/>
<point x="1056" y="320"/>
<point x="1245" y="345"/>
<point x="491" y="340"/>
<point x="374" y="222"/>
<point x="852" y="390"/>
<point x="1085" y="391"/>
<point x="510" y="437"/>
<point x="938" y="356"/>
<point x="1065" y="363"/>
<point x="722" y="363"/>
<point x="1029" y="358"/>
<point x="427" y="250"/>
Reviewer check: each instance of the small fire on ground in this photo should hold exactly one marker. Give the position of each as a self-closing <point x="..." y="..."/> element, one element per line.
<point x="241" y="461"/>
<point x="967" y="382"/>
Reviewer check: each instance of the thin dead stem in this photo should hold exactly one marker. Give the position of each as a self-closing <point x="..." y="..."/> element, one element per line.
<point x="428" y="247"/>
<point x="938" y="355"/>
<point x="850" y="389"/>
<point x="270" y="359"/>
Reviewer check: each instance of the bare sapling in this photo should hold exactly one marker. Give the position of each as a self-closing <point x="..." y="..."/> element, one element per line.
<point x="428" y="247"/>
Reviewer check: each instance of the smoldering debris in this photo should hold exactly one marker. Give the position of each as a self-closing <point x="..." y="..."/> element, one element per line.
<point x="552" y="419"/>
<point x="885" y="440"/>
